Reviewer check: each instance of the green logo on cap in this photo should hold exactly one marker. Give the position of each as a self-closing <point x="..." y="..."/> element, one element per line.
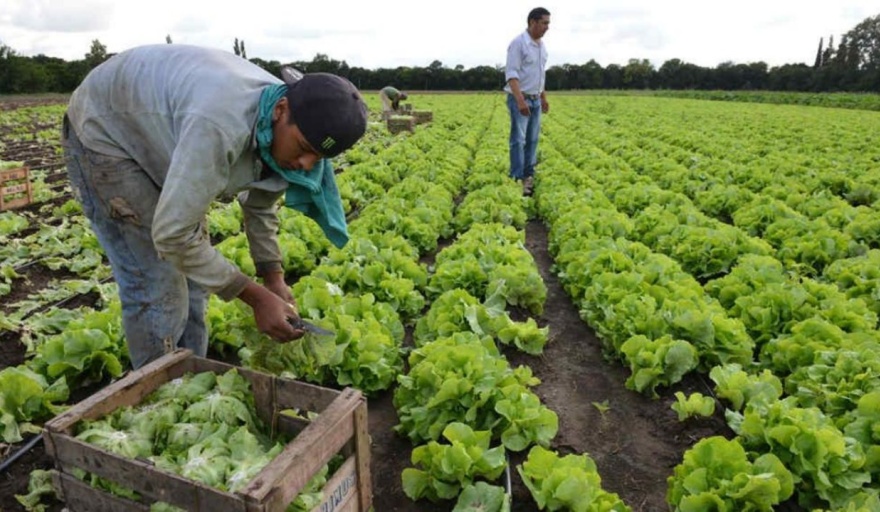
<point x="328" y="143"/>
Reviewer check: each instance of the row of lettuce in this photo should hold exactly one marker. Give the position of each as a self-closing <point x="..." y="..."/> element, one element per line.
<point x="767" y="282"/>
<point x="457" y="397"/>
<point x="857" y="101"/>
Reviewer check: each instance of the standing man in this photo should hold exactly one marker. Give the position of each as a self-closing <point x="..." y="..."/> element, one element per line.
<point x="391" y="99"/>
<point x="155" y="134"/>
<point x="526" y="98"/>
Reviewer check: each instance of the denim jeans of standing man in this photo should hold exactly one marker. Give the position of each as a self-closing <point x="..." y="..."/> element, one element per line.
<point x="161" y="309"/>
<point x="524" y="131"/>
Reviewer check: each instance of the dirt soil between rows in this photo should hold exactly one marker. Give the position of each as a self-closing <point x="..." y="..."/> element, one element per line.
<point x="636" y="441"/>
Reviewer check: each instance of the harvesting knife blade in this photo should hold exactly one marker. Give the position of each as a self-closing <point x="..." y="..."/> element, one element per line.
<point x="299" y="323"/>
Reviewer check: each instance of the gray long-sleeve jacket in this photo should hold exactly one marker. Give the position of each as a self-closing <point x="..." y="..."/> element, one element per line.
<point x="186" y="115"/>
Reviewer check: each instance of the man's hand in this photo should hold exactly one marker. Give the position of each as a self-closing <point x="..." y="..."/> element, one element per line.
<point x="545" y="107"/>
<point x="523" y="106"/>
<point x="271" y="312"/>
<point x="274" y="282"/>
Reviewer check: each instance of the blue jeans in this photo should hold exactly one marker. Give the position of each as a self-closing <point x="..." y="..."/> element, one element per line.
<point x="524" y="132"/>
<point x="161" y="309"/>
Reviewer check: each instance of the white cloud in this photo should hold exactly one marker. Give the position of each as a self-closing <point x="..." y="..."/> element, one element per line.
<point x="47" y="16"/>
<point x="469" y="33"/>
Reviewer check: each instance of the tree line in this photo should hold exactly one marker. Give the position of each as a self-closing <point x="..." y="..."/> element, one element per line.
<point x="851" y="65"/>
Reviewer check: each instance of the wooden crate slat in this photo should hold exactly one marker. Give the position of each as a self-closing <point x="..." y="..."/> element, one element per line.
<point x="79" y="496"/>
<point x="340" y="493"/>
<point x="131" y="474"/>
<point x="129" y="390"/>
<point x="14" y="203"/>
<point x="362" y="454"/>
<point x="302" y="396"/>
<point x="14" y="174"/>
<point x="15" y="189"/>
<point x="285" y="476"/>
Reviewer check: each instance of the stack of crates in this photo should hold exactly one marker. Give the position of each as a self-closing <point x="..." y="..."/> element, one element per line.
<point x="15" y="188"/>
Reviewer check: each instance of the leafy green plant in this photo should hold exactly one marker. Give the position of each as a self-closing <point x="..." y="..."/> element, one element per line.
<point x="660" y="362"/>
<point x="570" y="482"/>
<point x="482" y="497"/>
<point x="717" y="474"/>
<point x="693" y="405"/>
<point x="462" y="378"/>
<point x="443" y="469"/>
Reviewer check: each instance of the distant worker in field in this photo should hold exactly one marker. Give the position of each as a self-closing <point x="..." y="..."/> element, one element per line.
<point x="391" y="99"/>
<point x="526" y="97"/>
<point x="154" y="135"/>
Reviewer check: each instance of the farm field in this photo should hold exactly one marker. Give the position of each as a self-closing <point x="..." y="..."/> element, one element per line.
<point x="674" y="248"/>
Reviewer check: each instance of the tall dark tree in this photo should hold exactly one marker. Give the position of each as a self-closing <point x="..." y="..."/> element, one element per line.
<point x="238" y="48"/>
<point x="8" y="65"/>
<point x="818" y="63"/>
<point x="828" y="54"/>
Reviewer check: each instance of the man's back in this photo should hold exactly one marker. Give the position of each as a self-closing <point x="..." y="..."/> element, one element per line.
<point x="140" y="102"/>
<point x="391" y="92"/>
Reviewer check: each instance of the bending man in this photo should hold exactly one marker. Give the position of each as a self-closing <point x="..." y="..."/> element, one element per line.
<point x="154" y="135"/>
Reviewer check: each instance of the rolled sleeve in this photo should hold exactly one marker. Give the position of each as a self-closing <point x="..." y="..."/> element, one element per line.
<point x="514" y="61"/>
<point x="198" y="173"/>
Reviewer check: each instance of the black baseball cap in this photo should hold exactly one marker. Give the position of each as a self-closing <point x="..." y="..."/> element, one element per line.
<point x="329" y="111"/>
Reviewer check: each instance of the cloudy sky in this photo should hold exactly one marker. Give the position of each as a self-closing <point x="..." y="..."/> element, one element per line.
<point x="474" y="32"/>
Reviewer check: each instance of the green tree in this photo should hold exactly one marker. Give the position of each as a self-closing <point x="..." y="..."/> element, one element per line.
<point x="97" y="54"/>
<point x="865" y="37"/>
<point x="676" y="74"/>
<point x="613" y="77"/>
<point x="791" y="77"/>
<point x="8" y="64"/>
<point x="589" y="75"/>
<point x="638" y="74"/>
<point x="557" y="78"/>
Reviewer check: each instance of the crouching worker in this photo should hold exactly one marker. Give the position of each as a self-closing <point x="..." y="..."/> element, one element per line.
<point x="155" y="134"/>
<point x="391" y="99"/>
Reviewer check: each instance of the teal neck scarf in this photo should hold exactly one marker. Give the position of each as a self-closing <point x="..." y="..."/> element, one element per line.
<point x="313" y="193"/>
<point x="268" y="98"/>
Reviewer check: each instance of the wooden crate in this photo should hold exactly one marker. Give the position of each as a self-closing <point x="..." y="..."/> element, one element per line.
<point x="423" y="116"/>
<point x="341" y="427"/>
<point x="397" y="124"/>
<point x="15" y="188"/>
